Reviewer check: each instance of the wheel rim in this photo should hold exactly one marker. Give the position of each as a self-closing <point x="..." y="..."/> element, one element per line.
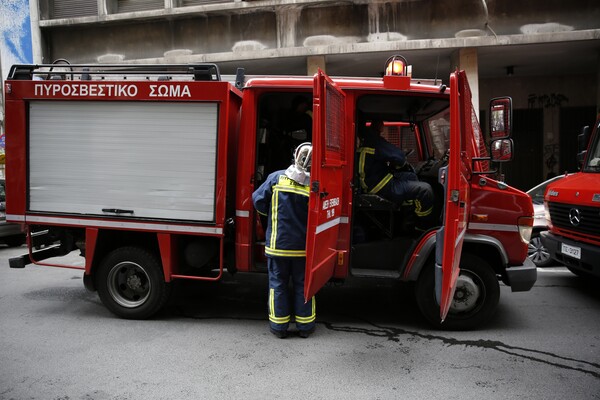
<point x="469" y="294"/>
<point x="537" y="252"/>
<point x="128" y="284"/>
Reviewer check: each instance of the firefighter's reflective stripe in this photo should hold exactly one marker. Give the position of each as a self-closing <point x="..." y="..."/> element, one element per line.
<point x="285" y="253"/>
<point x="310" y="318"/>
<point x="381" y="183"/>
<point x="272" y="317"/>
<point x="274" y="206"/>
<point x="361" y="165"/>
<point x="363" y="151"/>
<point x="418" y="207"/>
<point x="284" y="185"/>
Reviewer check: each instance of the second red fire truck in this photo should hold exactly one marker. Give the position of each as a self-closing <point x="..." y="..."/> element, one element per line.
<point x="148" y="172"/>
<point x="573" y="212"/>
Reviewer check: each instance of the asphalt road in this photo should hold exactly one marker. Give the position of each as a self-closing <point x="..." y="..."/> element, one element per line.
<point x="57" y="341"/>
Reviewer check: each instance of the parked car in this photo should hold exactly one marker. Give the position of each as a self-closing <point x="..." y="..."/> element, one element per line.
<point x="536" y="250"/>
<point x="10" y="234"/>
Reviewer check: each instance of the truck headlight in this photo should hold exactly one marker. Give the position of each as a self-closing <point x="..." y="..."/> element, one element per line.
<point x="525" y="228"/>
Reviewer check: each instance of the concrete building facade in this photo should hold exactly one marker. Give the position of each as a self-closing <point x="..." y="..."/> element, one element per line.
<point x="543" y="53"/>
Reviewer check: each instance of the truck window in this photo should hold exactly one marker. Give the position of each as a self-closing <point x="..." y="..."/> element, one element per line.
<point x="438" y="130"/>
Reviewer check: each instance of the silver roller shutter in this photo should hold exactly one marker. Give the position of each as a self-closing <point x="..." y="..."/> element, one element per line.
<point x="156" y="159"/>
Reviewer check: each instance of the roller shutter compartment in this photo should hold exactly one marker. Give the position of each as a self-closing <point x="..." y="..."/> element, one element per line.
<point x="143" y="159"/>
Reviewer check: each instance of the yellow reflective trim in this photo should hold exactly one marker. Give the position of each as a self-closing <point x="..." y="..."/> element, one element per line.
<point x="272" y="317"/>
<point x="361" y="165"/>
<point x="368" y="150"/>
<point x="274" y="207"/>
<point x="261" y="213"/>
<point x="286" y="184"/>
<point x="280" y="320"/>
<point x="271" y="303"/>
<point x="311" y="318"/>
<point x="381" y="184"/>
<point x="305" y="320"/>
<point x="418" y="210"/>
<point x="285" y="253"/>
<point x="301" y="192"/>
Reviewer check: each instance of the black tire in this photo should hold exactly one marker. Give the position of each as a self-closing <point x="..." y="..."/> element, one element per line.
<point x="14" y="241"/>
<point x="475" y="299"/>
<point x="130" y="283"/>
<point x="537" y="252"/>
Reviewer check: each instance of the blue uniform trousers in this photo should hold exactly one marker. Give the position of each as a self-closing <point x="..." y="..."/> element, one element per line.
<point x="406" y="187"/>
<point x="281" y="269"/>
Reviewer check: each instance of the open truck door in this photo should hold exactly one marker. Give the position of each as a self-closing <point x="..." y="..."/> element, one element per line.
<point x="325" y="203"/>
<point x="455" y="179"/>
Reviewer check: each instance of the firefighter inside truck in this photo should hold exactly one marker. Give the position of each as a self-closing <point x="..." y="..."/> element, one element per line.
<point x="383" y="229"/>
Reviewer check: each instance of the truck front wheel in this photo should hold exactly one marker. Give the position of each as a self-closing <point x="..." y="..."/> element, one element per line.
<point x="475" y="299"/>
<point x="130" y="283"/>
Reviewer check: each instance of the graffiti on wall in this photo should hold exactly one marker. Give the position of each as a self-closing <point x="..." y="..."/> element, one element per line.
<point x="552" y="101"/>
<point x="546" y="100"/>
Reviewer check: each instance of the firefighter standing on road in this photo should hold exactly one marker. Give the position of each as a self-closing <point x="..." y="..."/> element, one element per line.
<point x="283" y="198"/>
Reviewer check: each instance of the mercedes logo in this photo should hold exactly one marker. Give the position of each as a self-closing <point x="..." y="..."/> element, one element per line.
<point x="574" y="216"/>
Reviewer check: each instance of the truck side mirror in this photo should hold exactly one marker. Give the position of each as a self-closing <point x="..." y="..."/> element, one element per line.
<point x="583" y="140"/>
<point x="500" y="117"/>
<point x="501" y="150"/>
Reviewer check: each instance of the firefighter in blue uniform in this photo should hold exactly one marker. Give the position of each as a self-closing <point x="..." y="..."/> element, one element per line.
<point x="383" y="170"/>
<point x="283" y="198"/>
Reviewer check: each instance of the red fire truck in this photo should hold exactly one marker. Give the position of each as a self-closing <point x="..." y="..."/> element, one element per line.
<point x="573" y="212"/>
<point x="148" y="172"/>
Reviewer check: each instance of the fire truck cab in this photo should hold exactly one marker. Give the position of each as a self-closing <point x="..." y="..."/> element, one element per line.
<point x="573" y="211"/>
<point x="79" y="178"/>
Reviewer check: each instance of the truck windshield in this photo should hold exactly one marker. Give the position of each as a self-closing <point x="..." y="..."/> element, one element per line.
<point x="439" y="130"/>
<point x="593" y="157"/>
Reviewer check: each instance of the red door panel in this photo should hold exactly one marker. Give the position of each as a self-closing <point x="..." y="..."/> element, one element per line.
<point x="324" y="213"/>
<point x="457" y="190"/>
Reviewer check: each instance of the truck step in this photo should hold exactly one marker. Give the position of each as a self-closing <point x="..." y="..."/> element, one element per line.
<point x="23" y="260"/>
<point x="376" y="273"/>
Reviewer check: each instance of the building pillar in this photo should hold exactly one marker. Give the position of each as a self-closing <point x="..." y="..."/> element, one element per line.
<point x="287" y="20"/>
<point x="102" y="8"/>
<point x="36" y="33"/>
<point x="313" y="63"/>
<point x="466" y="59"/>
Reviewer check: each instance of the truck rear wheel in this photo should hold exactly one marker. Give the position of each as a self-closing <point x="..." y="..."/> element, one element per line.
<point x="475" y="299"/>
<point x="130" y="283"/>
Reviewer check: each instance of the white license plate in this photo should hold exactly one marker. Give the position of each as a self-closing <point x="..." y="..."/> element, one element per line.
<point x="570" y="251"/>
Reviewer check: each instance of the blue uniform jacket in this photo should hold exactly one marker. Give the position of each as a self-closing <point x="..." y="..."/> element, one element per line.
<point x="376" y="158"/>
<point x="285" y="203"/>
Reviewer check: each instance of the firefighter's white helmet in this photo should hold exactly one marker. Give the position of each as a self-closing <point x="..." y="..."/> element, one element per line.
<point x="299" y="171"/>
